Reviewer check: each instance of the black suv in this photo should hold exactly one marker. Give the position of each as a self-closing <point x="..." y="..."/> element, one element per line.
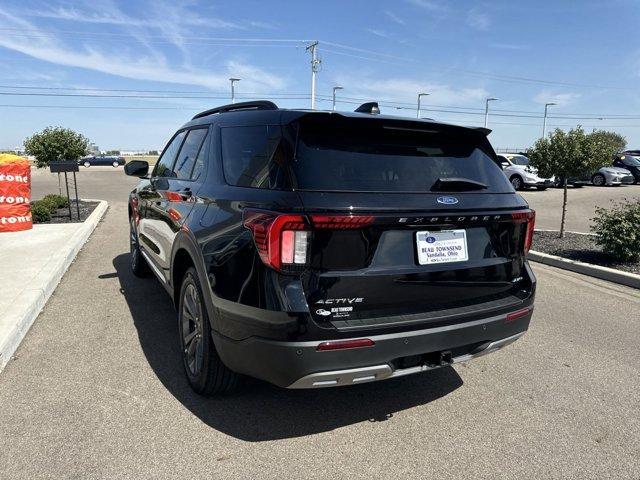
<point x="316" y="249"/>
<point x="629" y="160"/>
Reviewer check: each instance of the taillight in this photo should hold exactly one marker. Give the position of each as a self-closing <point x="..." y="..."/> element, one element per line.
<point x="281" y="240"/>
<point x="528" y="217"/>
<point x="341" y="222"/>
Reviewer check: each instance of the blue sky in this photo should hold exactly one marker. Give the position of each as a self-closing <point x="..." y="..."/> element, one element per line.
<point x="582" y="55"/>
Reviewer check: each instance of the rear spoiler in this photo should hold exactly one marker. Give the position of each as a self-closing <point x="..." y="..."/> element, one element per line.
<point x="483" y="130"/>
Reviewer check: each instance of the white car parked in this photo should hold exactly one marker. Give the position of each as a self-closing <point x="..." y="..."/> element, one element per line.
<point x="520" y="174"/>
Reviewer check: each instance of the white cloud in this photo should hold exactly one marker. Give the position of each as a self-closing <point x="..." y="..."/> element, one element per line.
<point x="560" y="99"/>
<point x="109" y="14"/>
<point x="406" y="90"/>
<point x="378" y="33"/>
<point x="153" y="66"/>
<point x="509" y="46"/>
<point x="478" y="20"/>
<point x="395" y="18"/>
<point x="431" y="5"/>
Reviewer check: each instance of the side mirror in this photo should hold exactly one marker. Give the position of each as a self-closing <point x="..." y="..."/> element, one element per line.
<point x="137" y="168"/>
<point x="504" y="164"/>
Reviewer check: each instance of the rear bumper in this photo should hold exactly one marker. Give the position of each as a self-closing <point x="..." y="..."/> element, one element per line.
<point x="538" y="183"/>
<point x="299" y="365"/>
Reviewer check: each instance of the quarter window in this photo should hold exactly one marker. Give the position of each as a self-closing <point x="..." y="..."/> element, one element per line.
<point x="253" y="156"/>
<point x="165" y="163"/>
<point x="188" y="152"/>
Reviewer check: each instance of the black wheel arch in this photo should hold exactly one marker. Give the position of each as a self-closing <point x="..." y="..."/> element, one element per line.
<point x="186" y="253"/>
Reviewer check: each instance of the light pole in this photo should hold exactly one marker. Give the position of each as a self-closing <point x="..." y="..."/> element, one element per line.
<point x="337" y="87"/>
<point x="315" y="62"/>
<point x="233" y="92"/>
<point x="486" y="110"/>
<point x="420" y="95"/>
<point x="544" y="122"/>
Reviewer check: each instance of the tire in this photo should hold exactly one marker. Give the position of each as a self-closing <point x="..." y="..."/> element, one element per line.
<point x="516" y="182"/>
<point x="115" y="164"/>
<point x="87" y="164"/>
<point x="204" y="369"/>
<point x="598" y="180"/>
<point x="542" y="189"/>
<point x="137" y="262"/>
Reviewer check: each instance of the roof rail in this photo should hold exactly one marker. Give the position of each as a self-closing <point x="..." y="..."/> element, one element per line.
<point x="256" y="105"/>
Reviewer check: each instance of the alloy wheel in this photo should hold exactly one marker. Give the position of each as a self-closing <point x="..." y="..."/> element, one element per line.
<point x="192" y="330"/>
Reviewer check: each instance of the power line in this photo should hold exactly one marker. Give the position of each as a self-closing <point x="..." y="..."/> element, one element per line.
<point x="301" y="42"/>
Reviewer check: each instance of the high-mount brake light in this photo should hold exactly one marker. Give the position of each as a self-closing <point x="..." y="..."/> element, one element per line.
<point x="341" y="222"/>
<point x="281" y="240"/>
<point x="528" y="217"/>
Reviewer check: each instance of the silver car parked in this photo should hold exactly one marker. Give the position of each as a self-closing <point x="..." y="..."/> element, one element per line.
<point x="521" y="175"/>
<point x="612" y="176"/>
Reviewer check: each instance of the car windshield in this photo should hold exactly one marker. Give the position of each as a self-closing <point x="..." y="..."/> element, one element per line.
<point x="334" y="153"/>
<point x="519" y="160"/>
<point x="632" y="161"/>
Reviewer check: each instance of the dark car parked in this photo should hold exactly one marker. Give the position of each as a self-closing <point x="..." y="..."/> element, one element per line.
<point x="631" y="161"/>
<point x="100" y="160"/>
<point x="315" y="249"/>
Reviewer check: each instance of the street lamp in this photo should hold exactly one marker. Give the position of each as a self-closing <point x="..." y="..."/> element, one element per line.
<point x="233" y="92"/>
<point x="544" y="122"/>
<point x="419" y="96"/>
<point x="486" y="110"/>
<point x="337" y="87"/>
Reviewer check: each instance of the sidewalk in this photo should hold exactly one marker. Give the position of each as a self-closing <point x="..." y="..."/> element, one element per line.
<point x="31" y="264"/>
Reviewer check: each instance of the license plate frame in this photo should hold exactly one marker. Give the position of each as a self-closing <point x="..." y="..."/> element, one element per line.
<point x="436" y="247"/>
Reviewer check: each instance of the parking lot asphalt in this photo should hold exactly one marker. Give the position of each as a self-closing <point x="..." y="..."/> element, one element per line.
<point x="581" y="203"/>
<point x="96" y="391"/>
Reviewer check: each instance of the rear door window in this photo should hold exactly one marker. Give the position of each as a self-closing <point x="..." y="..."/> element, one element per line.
<point x="370" y="155"/>
<point x="252" y="156"/>
<point x="188" y="153"/>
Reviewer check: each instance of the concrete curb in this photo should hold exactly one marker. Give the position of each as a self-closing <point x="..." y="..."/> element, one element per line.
<point x="33" y="300"/>
<point x="603" y="273"/>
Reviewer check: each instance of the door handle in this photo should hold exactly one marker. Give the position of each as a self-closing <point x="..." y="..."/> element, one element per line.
<point x="185" y="193"/>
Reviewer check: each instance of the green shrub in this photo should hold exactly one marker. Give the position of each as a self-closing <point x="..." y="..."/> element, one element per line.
<point x="618" y="230"/>
<point x="49" y="204"/>
<point x="40" y="212"/>
<point x="58" y="200"/>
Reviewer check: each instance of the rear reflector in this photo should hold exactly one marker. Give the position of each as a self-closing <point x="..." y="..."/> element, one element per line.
<point x="344" y="344"/>
<point x="519" y="314"/>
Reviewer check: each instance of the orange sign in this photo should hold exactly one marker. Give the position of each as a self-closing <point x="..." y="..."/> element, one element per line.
<point x="15" y="193"/>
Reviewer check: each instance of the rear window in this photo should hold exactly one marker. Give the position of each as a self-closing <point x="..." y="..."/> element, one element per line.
<point x="369" y="155"/>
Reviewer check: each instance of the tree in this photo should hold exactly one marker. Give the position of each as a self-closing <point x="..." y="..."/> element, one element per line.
<point x="113" y="152"/>
<point x="572" y="154"/>
<point x="613" y="140"/>
<point x="54" y="144"/>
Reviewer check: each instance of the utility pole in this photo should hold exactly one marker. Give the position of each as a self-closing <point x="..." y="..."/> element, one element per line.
<point x="486" y="110"/>
<point x="544" y="122"/>
<point x="233" y="92"/>
<point x="315" y="62"/>
<point x="418" y="110"/>
<point x="337" y="87"/>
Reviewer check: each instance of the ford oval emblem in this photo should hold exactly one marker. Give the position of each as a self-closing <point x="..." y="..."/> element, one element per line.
<point x="447" y="200"/>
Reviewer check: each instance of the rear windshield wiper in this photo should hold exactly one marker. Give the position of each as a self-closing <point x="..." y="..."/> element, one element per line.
<point x="456" y="184"/>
